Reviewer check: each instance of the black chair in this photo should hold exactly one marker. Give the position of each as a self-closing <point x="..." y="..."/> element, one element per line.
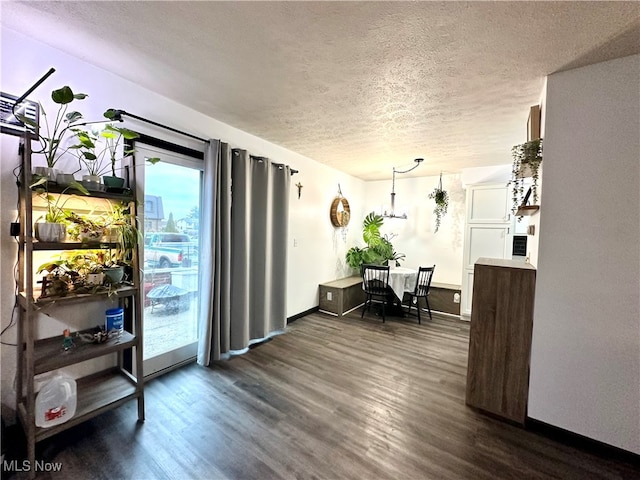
<point x="375" y="281"/>
<point x="423" y="283"/>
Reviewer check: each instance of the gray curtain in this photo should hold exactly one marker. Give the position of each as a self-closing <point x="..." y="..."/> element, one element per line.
<point x="214" y="285"/>
<point x="246" y="238"/>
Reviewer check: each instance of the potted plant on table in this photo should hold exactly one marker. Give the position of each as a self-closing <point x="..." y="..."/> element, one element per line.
<point x="51" y="144"/>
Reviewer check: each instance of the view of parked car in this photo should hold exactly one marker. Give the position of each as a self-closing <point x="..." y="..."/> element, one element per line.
<point x="167" y="250"/>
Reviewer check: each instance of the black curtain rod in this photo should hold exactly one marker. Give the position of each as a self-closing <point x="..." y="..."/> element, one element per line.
<point x="117" y="115"/>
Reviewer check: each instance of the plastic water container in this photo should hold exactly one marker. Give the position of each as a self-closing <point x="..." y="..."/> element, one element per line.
<point x="56" y="401"/>
<point x="114" y="323"/>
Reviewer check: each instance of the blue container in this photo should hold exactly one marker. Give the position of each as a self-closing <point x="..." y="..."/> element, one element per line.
<point x="115" y="321"/>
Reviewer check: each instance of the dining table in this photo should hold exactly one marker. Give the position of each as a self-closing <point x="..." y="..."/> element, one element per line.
<point x="402" y="279"/>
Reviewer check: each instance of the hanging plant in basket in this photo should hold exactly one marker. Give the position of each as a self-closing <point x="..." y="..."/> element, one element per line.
<point x="442" y="203"/>
<point x="527" y="156"/>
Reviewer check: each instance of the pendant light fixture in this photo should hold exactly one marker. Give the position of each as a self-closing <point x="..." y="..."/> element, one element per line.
<point x="392" y="212"/>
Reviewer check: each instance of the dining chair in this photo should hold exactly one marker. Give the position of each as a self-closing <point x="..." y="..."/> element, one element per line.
<point x="421" y="290"/>
<point x="375" y="281"/>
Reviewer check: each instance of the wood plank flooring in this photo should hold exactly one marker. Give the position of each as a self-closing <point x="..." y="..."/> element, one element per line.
<point x="334" y="398"/>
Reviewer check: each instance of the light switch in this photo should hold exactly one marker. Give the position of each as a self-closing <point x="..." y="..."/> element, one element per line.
<point x="329" y="296"/>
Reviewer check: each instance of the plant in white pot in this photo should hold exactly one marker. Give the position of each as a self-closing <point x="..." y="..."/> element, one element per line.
<point x="86" y="228"/>
<point x="51" y="139"/>
<point x="54" y="227"/>
<point x="88" y="264"/>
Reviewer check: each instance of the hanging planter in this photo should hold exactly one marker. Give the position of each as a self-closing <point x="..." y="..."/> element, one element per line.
<point x="442" y="203"/>
<point x="526" y="163"/>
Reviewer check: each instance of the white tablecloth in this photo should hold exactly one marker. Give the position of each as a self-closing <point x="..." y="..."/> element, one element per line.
<point x="402" y="280"/>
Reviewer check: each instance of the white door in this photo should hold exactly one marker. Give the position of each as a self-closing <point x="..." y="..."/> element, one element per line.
<point x="487" y="232"/>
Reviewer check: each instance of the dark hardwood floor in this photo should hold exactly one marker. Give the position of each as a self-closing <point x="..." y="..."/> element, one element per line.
<point x="332" y="399"/>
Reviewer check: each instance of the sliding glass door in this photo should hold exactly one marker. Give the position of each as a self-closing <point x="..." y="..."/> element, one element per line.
<point x="170" y="223"/>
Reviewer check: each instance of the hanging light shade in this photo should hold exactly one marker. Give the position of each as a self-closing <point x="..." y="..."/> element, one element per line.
<point x="392" y="212"/>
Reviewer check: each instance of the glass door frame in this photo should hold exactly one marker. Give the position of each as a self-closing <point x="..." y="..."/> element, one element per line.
<point x="191" y="158"/>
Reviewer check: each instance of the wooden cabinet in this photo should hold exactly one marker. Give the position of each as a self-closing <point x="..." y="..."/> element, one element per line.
<point x="341" y="296"/>
<point x="500" y="337"/>
<point x="100" y="391"/>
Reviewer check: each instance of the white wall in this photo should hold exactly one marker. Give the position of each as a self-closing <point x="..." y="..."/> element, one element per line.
<point x="320" y="250"/>
<point x="585" y="359"/>
<point x="415" y="236"/>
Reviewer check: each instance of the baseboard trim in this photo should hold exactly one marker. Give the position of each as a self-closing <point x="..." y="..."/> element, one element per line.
<point x="452" y="316"/>
<point x="302" y="314"/>
<point x="580" y="441"/>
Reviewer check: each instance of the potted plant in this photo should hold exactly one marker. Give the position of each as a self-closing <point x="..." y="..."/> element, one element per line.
<point x="379" y="250"/>
<point x="441" y="198"/>
<point x="527" y="158"/>
<point x="53" y="229"/>
<point x="59" y="280"/>
<point x="99" y="154"/>
<point x="51" y="144"/>
<point x="88" y="264"/>
<point x="127" y="235"/>
<point x="85" y="228"/>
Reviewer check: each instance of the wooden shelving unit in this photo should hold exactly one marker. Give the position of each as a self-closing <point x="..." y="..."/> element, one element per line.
<point x="98" y="392"/>
<point x="49" y="355"/>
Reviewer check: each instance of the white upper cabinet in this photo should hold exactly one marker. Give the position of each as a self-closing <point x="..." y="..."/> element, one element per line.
<point x="488" y="204"/>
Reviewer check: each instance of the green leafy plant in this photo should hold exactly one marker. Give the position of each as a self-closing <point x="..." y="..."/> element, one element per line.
<point x="127" y="234"/>
<point x="59" y="280"/>
<point x="86" y="228"/>
<point x="527" y="154"/>
<point x="99" y="152"/>
<point x="379" y="249"/>
<point x="56" y="213"/>
<point x="51" y="140"/>
<point x="441" y="198"/>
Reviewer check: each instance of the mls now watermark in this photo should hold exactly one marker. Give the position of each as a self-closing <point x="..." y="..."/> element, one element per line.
<point x="25" y="466"/>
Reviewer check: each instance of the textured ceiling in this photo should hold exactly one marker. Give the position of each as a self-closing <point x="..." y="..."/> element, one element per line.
<point x="361" y="86"/>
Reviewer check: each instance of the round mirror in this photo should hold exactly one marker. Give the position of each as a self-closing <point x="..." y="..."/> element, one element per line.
<point x="340" y="212"/>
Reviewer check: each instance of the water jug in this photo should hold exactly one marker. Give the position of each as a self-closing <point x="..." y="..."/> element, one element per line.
<point x="56" y="401"/>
